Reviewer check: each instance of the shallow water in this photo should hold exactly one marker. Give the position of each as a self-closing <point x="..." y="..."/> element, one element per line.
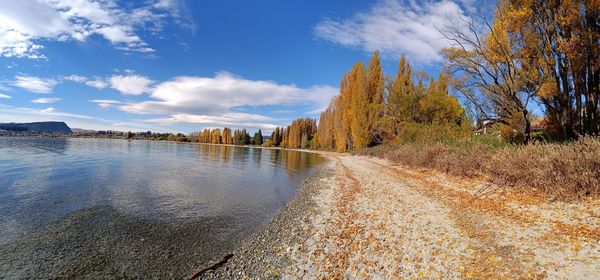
<point x="95" y="208"/>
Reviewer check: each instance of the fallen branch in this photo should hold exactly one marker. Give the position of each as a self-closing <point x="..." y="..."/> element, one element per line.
<point x="212" y="267"/>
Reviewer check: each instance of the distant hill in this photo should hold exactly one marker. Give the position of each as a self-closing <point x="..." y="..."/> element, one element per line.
<point x="55" y="127"/>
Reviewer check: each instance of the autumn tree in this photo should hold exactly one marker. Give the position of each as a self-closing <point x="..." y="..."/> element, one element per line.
<point x="324" y="137"/>
<point x="363" y="100"/>
<point x="491" y="75"/>
<point x="284" y="137"/>
<point x="276" y="136"/>
<point x="374" y="96"/>
<point x="438" y="106"/>
<point x="215" y="136"/>
<point x="205" y="136"/>
<point x="300" y="133"/>
<point x="236" y="137"/>
<point x="400" y="91"/>
<point x="226" y="136"/>
<point x="559" y="42"/>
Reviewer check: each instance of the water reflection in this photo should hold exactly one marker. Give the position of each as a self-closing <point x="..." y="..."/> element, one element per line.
<point x="51" y="145"/>
<point x="43" y="180"/>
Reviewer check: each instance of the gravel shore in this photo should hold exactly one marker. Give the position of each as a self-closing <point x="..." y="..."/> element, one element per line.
<point x="365" y="218"/>
<point x="267" y="254"/>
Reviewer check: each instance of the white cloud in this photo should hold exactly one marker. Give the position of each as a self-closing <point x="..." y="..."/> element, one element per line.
<point x="97" y="83"/>
<point x="220" y="94"/>
<point x="232" y="120"/>
<point x="46" y="100"/>
<point x="4" y="96"/>
<point x="216" y="101"/>
<point x="105" y="103"/>
<point x="130" y="84"/>
<point x="25" y="24"/>
<point x="395" y="27"/>
<point x="76" y="78"/>
<point x="34" y="84"/>
<point x="49" y="110"/>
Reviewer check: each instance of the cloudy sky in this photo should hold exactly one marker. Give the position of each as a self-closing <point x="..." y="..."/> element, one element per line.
<point x="180" y="66"/>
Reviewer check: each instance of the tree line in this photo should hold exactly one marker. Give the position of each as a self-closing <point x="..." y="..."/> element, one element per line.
<point x="237" y="137"/>
<point x="372" y="109"/>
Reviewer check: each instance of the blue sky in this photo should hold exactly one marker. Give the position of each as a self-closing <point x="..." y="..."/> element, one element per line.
<point x="180" y="66"/>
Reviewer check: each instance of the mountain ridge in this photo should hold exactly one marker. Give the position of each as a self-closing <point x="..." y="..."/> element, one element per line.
<point x="50" y="126"/>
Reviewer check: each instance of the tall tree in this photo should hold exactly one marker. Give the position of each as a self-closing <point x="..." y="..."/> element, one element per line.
<point x="284" y="138"/>
<point x="216" y="136"/>
<point x="559" y="42"/>
<point x="341" y="131"/>
<point x="398" y="92"/>
<point x="375" y="96"/>
<point x="438" y="107"/>
<point x="245" y="137"/>
<point x="258" y="138"/>
<point x="301" y="132"/>
<point x="226" y="137"/>
<point x="324" y="137"/>
<point x="276" y="137"/>
<point x="357" y="108"/>
<point x="491" y="76"/>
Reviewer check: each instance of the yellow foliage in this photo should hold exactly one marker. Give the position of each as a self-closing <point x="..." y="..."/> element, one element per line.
<point x="548" y="90"/>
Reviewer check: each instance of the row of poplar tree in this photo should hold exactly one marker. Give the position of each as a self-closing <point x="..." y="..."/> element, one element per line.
<point x="238" y="137"/>
<point x="297" y="135"/>
<point x="371" y="109"/>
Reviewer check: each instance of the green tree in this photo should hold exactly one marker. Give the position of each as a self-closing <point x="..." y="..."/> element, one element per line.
<point x="258" y="138"/>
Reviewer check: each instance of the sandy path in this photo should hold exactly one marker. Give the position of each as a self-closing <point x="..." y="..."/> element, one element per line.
<point x="378" y="221"/>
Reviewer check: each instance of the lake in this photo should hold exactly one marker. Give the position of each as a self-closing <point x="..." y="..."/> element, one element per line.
<point x="92" y="208"/>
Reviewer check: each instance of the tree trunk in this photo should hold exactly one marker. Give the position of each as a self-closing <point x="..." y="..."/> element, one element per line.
<point x="527" y="131"/>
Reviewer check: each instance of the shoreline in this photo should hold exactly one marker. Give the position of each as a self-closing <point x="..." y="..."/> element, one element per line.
<point x="265" y="253"/>
<point x="366" y="218"/>
<point x="321" y="152"/>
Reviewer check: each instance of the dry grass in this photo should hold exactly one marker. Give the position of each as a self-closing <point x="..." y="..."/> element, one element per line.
<point x="562" y="171"/>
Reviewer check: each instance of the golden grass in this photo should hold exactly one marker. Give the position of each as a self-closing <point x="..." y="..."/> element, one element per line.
<point x="563" y="171"/>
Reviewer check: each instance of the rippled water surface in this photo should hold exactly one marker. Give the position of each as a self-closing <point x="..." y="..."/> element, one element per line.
<point x="93" y="207"/>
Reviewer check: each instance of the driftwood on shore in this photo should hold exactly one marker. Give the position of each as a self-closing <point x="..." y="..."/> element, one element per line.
<point x="198" y="273"/>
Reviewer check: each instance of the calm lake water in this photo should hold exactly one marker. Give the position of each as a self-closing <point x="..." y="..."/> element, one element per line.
<point x="94" y="208"/>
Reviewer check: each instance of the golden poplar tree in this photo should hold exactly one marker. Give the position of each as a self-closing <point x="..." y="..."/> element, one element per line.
<point x="226" y="137"/>
<point x="437" y="106"/>
<point x="284" y="137"/>
<point x="324" y="137"/>
<point x="375" y="90"/>
<point x="357" y="109"/>
<point x="341" y="129"/>
<point x="216" y="136"/>
<point x="398" y="90"/>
